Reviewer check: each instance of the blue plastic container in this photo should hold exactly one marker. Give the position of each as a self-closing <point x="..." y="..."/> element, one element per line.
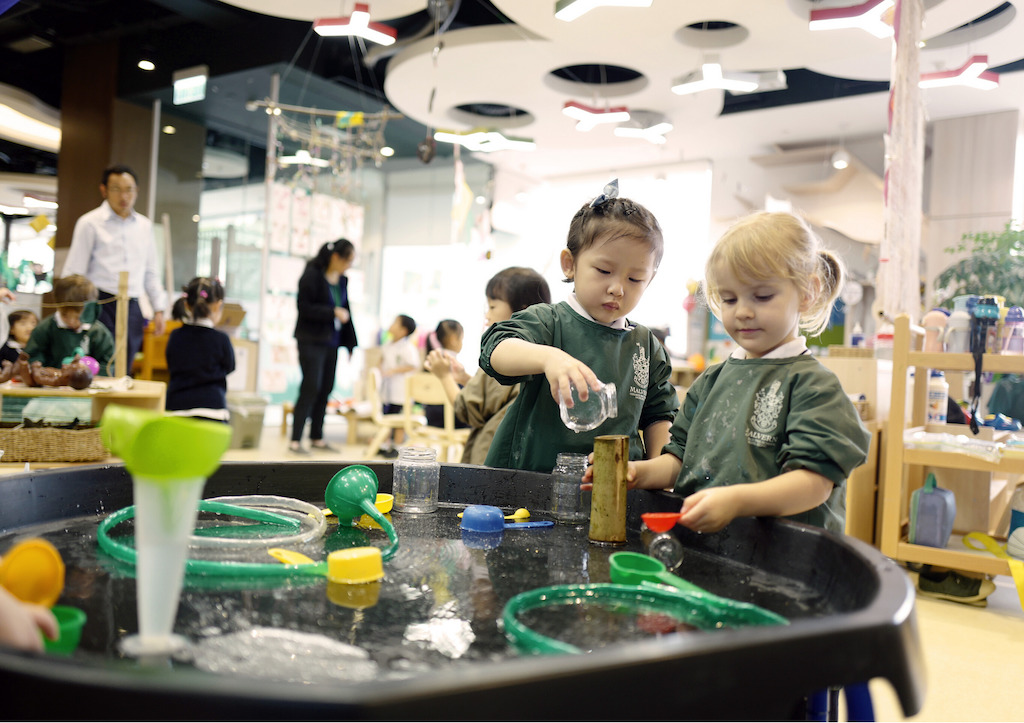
<point x="932" y="510"/>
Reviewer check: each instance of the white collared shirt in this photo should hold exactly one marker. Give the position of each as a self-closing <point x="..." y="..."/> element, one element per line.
<point x="791" y="348"/>
<point x="61" y="324"/>
<point x="575" y="304"/>
<point x="104" y="244"/>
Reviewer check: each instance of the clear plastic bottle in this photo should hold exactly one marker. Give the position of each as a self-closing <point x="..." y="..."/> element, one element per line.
<point x="662" y="546"/>
<point x="857" y="335"/>
<point x="884" y="342"/>
<point x="1012" y="339"/>
<point x="938" y="397"/>
<point x="416" y="480"/>
<point x="568" y="501"/>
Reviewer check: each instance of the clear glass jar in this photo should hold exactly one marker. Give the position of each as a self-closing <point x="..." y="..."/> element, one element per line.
<point x="568" y="502"/>
<point x="585" y="416"/>
<point x="416" y="479"/>
<point x="662" y="546"/>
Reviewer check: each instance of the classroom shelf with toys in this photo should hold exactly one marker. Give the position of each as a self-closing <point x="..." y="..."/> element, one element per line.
<point x="990" y="483"/>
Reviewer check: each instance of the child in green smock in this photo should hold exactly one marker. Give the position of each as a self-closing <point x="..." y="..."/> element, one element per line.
<point x="613" y="250"/>
<point x="770" y="431"/>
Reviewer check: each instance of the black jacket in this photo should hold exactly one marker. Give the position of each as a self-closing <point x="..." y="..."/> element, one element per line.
<point x="315" y="322"/>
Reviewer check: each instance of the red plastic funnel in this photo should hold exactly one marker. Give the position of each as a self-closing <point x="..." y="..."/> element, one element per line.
<point x="660" y="521"/>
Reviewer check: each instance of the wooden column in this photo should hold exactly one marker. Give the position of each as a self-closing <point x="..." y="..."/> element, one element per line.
<point x="121" y="327"/>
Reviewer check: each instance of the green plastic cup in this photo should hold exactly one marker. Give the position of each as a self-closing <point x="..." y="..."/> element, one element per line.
<point x="70" y="622"/>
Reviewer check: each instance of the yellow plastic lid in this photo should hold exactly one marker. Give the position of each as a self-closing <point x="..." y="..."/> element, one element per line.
<point x="33" y="571"/>
<point x="355" y="565"/>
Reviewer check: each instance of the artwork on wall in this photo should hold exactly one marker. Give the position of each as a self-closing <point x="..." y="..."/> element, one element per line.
<point x="279" y="216"/>
<point x="299" y="221"/>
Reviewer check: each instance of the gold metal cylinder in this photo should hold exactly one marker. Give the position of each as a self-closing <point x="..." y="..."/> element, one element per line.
<point x="608" y="500"/>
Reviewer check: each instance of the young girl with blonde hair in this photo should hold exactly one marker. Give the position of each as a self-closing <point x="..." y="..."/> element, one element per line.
<point x="770" y="431"/>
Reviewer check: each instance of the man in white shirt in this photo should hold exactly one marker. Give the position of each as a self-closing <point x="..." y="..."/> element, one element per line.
<point x="115" y="238"/>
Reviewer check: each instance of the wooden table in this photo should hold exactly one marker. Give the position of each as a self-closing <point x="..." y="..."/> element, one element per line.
<point x="144" y="394"/>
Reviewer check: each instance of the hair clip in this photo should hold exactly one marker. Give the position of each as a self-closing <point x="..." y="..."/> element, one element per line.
<point x="202" y="292"/>
<point x="610" y="191"/>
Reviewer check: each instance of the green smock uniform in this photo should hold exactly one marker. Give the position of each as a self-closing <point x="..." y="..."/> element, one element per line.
<point x="51" y="343"/>
<point x="748" y="420"/>
<point x="532" y="433"/>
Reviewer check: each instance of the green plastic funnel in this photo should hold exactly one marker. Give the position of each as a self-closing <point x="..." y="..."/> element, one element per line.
<point x="160" y="447"/>
<point x="352" y="493"/>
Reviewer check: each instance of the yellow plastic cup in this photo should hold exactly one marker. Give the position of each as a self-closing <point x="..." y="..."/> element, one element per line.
<point x="384" y="502"/>
<point x="70" y="622"/>
<point x="355" y="565"/>
<point x="33" y="571"/>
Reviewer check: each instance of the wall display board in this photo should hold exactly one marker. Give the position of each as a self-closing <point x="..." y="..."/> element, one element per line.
<point x="300" y="221"/>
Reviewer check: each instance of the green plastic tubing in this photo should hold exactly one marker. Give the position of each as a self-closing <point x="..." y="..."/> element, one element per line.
<point x="690" y="607"/>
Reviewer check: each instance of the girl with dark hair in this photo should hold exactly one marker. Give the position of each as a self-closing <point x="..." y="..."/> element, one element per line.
<point x="324" y="325"/>
<point x="482" y="402"/>
<point x="199" y="357"/>
<point x="612" y="252"/>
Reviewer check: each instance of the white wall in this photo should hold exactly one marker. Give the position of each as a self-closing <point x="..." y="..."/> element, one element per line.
<point x="430" y="278"/>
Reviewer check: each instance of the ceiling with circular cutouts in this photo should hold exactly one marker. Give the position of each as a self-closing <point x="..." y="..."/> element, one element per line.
<point x="511" y="65"/>
<point x="536" y="64"/>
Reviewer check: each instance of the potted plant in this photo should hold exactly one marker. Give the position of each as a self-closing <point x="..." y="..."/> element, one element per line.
<point x="995" y="266"/>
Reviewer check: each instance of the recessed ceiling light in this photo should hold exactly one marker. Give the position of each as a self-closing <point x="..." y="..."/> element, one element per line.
<point x="170" y="130"/>
<point x="387" y="151"/>
<point x="147" y="65"/>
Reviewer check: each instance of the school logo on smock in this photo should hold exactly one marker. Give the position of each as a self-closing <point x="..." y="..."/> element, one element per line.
<point x="641" y="374"/>
<point x="764" y="420"/>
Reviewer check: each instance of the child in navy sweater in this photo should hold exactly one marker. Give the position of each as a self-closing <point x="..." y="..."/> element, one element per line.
<point x="199" y="357"/>
<point x="21" y="323"/>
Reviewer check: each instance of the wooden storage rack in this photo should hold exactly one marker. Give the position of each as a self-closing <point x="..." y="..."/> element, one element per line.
<point x="903" y="466"/>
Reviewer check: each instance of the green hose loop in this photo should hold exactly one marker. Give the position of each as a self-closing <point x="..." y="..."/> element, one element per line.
<point x="690" y="607"/>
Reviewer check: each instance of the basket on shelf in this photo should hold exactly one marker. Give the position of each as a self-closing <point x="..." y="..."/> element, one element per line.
<point x="863" y="409"/>
<point x="51" y="444"/>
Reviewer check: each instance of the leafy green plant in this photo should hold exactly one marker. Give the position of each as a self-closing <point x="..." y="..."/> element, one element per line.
<point x="995" y="266"/>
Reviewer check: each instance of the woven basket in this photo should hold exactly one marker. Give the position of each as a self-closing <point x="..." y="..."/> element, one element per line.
<point x="47" y="444"/>
<point x="851" y="351"/>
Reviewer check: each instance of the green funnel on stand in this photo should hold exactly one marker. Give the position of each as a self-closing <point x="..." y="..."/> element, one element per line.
<point x="169" y="459"/>
<point x="160" y="447"/>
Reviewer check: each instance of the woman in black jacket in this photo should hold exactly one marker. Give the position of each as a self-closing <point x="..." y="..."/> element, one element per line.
<point x="324" y="324"/>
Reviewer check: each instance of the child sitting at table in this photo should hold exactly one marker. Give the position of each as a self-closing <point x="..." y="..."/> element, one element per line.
<point x="769" y="431"/>
<point x="72" y="328"/>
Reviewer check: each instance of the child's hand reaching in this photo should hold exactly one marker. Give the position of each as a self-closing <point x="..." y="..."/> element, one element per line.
<point x="710" y="509"/>
<point x="564" y="372"/>
<point x="588" y="476"/>
<point x="647" y="474"/>
<point x="20" y="623"/>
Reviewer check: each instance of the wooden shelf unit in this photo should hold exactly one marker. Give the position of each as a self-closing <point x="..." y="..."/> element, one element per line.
<point x="903" y="466"/>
